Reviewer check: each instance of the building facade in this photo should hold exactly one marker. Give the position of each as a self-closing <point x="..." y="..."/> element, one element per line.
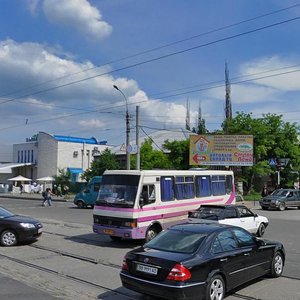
<point x="44" y="155"/>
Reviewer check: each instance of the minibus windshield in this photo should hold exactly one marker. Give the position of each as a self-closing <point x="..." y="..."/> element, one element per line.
<point x="118" y="190"/>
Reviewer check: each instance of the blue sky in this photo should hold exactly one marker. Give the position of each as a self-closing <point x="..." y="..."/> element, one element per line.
<point x="59" y="60"/>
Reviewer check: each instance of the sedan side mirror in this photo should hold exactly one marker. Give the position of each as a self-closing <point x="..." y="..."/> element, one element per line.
<point x="260" y="242"/>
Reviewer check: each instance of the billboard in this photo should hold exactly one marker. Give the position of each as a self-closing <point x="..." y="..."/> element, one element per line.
<point x="221" y="150"/>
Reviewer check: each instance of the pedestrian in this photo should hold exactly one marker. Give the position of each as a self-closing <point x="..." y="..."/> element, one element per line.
<point x="66" y="190"/>
<point x="47" y="197"/>
<point x="264" y="191"/>
<point x="59" y="192"/>
<point x="21" y="188"/>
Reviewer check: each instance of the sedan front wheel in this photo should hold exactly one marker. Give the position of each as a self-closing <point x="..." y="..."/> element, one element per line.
<point x="277" y="265"/>
<point x="8" y="238"/>
<point x="281" y="206"/>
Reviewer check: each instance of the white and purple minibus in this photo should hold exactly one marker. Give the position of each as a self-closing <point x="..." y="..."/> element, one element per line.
<point x="135" y="204"/>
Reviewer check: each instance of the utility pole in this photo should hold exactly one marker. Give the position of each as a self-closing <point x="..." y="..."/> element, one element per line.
<point x="127" y="130"/>
<point x="228" y="109"/>
<point x="138" y="152"/>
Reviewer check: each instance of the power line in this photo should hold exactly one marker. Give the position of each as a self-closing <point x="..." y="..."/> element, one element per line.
<point x="156" y="58"/>
<point x="142" y="101"/>
<point x="155" y="48"/>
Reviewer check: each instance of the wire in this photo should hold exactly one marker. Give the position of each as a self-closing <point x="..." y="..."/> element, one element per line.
<point x="154" y="49"/>
<point x="142" y="101"/>
<point x="156" y="58"/>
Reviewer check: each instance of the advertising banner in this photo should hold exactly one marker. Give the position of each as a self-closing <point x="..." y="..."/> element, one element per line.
<point x="221" y="150"/>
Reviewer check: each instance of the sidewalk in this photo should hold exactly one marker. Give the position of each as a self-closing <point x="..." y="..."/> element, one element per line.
<point x="35" y="196"/>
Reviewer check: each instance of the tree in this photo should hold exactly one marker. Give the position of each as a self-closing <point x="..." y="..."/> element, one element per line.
<point x="179" y="154"/>
<point x="107" y="161"/>
<point x="63" y="179"/>
<point x="273" y="138"/>
<point x="151" y="159"/>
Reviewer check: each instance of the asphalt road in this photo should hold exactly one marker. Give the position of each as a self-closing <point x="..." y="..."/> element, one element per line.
<point x="70" y="229"/>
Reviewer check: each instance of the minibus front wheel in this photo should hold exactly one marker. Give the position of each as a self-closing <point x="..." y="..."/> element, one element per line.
<point x="152" y="232"/>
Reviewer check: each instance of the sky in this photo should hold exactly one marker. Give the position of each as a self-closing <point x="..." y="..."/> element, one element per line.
<point x="59" y="61"/>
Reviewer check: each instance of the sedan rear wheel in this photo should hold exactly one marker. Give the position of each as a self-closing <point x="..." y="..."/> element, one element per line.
<point x="277" y="265"/>
<point x="8" y="238"/>
<point x="216" y="288"/>
<point x="261" y="230"/>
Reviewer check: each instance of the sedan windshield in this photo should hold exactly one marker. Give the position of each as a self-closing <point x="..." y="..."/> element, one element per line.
<point x="118" y="190"/>
<point x="280" y="193"/>
<point x="5" y="213"/>
<point x="177" y="241"/>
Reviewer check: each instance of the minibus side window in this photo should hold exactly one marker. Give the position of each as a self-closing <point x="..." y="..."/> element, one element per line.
<point x="167" y="188"/>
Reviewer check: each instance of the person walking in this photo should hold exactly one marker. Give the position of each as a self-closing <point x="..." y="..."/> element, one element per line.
<point x="264" y="191"/>
<point x="47" y="197"/>
<point x="59" y="192"/>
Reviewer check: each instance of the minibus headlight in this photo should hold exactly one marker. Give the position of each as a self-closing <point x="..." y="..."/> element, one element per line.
<point x="131" y="224"/>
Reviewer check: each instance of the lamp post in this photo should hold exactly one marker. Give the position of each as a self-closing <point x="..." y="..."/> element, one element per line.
<point x="127" y="129"/>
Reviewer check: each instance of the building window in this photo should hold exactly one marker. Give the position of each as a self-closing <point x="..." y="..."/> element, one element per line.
<point x="18" y="156"/>
<point x="32" y="156"/>
<point x="28" y="155"/>
<point x="25" y="157"/>
<point x="21" y="156"/>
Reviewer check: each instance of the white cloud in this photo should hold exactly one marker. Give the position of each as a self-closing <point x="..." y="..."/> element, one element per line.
<point x="288" y="81"/>
<point x="29" y="73"/>
<point x="32" y="6"/>
<point x="79" y="15"/>
<point x="93" y="123"/>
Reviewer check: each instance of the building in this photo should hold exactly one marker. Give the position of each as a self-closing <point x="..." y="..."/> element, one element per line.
<point x="44" y="154"/>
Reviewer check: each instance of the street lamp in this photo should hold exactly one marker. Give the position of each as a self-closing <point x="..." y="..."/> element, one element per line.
<point x="127" y="130"/>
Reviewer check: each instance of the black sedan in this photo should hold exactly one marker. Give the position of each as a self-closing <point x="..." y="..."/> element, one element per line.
<point x="15" y="229"/>
<point x="200" y="261"/>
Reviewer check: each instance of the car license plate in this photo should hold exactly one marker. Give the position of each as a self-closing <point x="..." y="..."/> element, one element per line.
<point x="40" y="230"/>
<point x="108" y="231"/>
<point x="147" y="269"/>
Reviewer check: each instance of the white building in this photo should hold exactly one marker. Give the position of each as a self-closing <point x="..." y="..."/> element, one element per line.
<point x="44" y="154"/>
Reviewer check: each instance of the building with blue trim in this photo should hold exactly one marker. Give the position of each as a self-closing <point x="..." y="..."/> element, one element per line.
<point x="44" y="154"/>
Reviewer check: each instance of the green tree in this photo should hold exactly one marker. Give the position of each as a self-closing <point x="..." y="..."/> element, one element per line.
<point x="273" y="138"/>
<point x="151" y="159"/>
<point x="178" y="154"/>
<point x="63" y="178"/>
<point x="107" y="161"/>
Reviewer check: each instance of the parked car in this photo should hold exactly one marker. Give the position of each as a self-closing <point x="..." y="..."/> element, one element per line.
<point x="281" y="199"/>
<point x="88" y="196"/>
<point x="15" y="228"/>
<point x="239" y="199"/>
<point x="200" y="261"/>
<point x="237" y="215"/>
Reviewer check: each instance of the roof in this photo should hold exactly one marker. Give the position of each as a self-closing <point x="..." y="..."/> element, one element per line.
<point x="72" y="139"/>
<point x="158" y="138"/>
<point x="203" y="227"/>
<point x="6" y="168"/>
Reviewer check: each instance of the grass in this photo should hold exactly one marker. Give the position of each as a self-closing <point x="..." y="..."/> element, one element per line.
<point x="254" y="196"/>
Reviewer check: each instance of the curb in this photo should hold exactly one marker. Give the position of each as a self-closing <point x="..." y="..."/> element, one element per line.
<point x="33" y="198"/>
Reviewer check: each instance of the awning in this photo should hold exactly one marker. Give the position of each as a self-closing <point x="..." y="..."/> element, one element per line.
<point x="19" y="178"/>
<point x="75" y="170"/>
<point x="6" y="168"/>
<point x="48" y="178"/>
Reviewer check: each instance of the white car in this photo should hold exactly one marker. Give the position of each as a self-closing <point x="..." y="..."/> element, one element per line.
<point x="237" y="215"/>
